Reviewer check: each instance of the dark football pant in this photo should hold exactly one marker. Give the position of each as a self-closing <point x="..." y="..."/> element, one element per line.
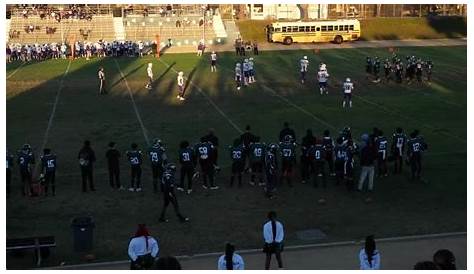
<point x="271" y="182"/>
<point x="102" y="87"/>
<point x="50" y="178"/>
<point x="26" y="181"/>
<point x="305" y="168"/>
<point x="318" y="168"/>
<point x="268" y="259"/>
<point x="157" y="173"/>
<point x="187" y="170"/>
<point x="286" y="171"/>
<point x="136" y="176"/>
<point x="237" y="169"/>
<point x="170" y="197"/>
<point x="349" y="175"/>
<point x="114" y="176"/>
<point x="207" y="170"/>
<point x="86" y="174"/>
<point x="255" y="51"/>
<point x="330" y="161"/>
<point x="398" y="163"/>
<point x="382" y="163"/>
<point x="339" y="166"/>
<point x="257" y="168"/>
<point x="415" y="164"/>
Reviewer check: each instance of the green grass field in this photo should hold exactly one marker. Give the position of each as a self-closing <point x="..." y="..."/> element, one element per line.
<point x="400" y="207"/>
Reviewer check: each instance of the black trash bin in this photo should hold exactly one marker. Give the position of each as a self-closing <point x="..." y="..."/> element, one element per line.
<point x="83" y="233"/>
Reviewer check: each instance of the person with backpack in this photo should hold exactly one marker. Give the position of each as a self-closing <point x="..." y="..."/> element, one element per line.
<point x="86" y="160"/>
<point x="230" y="260"/>
<point x="273" y="235"/>
<point x="369" y="256"/>
<point x="143" y="249"/>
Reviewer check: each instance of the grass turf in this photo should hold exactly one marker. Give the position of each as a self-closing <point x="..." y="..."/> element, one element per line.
<point x="381" y="28"/>
<point x="400" y="207"/>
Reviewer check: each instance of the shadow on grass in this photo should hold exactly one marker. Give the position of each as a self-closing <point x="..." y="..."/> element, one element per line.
<point x="451" y="27"/>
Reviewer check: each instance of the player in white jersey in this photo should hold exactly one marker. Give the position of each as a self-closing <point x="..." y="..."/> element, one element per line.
<point x="238" y="76"/>
<point x="181" y="86"/>
<point x="213" y="61"/>
<point x="251" y="71"/>
<point x="149" y="72"/>
<point x="322" y="66"/>
<point x="101" y="76"/>
<point x="348" y="87"/>
<point x="246" y="71"/>
<point x="303" y="68"/>
<point x="323" y="76"/>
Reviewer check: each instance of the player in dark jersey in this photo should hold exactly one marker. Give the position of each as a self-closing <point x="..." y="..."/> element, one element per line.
<point x="86" y="161"/>
<point x="246" y="139"/>
<point x="387" y="69"/>
<point x="376" y="69"/>
<point x="288" y="159"/>
<point x="351" y="149"/>
<point x="187" y="159"/>
<point x="399" y="140"/>
<point x="317" y="153"/>
<point x="286" y="131"/>
<point x="308" y="141"/>
<point x="48" y="170"/>
<point x="419" y="70"/>
<point x="429" y="70"/>
<point x="135" y="158"/>
<point x="368" y="67"/>
<point x="238" y="162"/>
<point x="257" y="159"/>
<point x="9" y="164"/>
<point x="416" y="146"/>
<point x="271" y="169"/>
<point x="212" y="138"/>
<point x="381" y="144"/>
<point x="204" y="152"/>
<point x="113" y="163"/>
<point x="328" y="144"/>
<point x="158" y="159"/>
<point x="25" y="160"/>
<point x="340" y="158"/>
<point x="169" y="196"/>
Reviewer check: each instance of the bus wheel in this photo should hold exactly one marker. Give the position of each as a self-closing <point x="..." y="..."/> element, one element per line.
<point x="338" y="39"/>
<point x="288" y="41"/>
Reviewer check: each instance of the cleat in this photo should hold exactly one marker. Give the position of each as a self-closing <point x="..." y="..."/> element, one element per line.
<point x="163" y="220"/>
<point x="252" y="183"/>
<point x="184" y="219"/>
<point x="182" y="99"/>
<point x="303" y="182"/>
<point x="204" y="186"/>
<point x="180" y="189"/>
<point x="131" y="189"/>
<point x="139" y="189"/>
<point x="178" y="97"/>
<point x="214" y="187"/>
<point x="189" y="191"/>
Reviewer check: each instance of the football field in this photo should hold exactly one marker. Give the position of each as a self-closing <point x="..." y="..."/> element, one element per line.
<point x="55" y="103"/>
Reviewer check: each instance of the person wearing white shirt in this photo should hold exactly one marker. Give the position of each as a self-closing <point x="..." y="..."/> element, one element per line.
<point x="348" y="87"/>
<point x="149" y="72"/>
<point x="213" y="61"/>
<point x="180" y="86"/>
<point x="273" y="235"/>
<point x="323" y="76"/>
<point x="230" y="260"/>
<point x="304" y="68"/>
<point x="369" y="256"/>
<point x="101" y="76"/>
<point x="142" y="249"/>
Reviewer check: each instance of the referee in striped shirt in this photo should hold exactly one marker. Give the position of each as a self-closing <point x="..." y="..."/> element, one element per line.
<point x="101" y="75"/>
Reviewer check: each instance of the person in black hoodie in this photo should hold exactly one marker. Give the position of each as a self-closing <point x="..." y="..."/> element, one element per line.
<point x="113" y="161"/>
<point x="368" y="156"/>
<point x="87" y="158"/>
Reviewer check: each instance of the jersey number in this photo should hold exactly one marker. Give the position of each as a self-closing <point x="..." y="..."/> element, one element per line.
<point x="257" y="152"/>
<point x="287" y="152"/>
<point x="317" y="155"/>
<point x="134" y="160"/>
<point x="203" y="152"/>
<point x="154" y="156"/>
<point x="186" y="157"/>
<point x="50" y="163"/>
<point x="236" y="154"/>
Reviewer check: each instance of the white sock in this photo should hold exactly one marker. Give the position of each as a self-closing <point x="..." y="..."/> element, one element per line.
<point x="350" y="104"/>
<point x="344" y="104"/>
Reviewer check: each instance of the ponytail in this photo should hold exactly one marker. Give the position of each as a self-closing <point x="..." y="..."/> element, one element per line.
<point x="370" y="248"/>
<point x="229" y="254"/>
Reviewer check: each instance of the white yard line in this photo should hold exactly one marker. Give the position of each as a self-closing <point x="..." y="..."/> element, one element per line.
<point x="53" y="112"/>
<point x="139" y="118"/>
<point x="15" y="71"/>
<point x="222" y="113"/>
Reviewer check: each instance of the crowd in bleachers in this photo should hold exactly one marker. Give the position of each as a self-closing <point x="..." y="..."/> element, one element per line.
<point x="73" y="11"/>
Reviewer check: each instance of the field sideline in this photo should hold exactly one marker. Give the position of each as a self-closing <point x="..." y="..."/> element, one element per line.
<point x="131" y="114"/>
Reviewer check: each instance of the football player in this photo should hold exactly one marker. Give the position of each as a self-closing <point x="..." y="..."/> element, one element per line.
<point x="158" y="159"/>
<point x="351" y="149"/>
<point x="101" y="75"/>
<point x="181" y="88"/>
<point x="419" y="70"/>
<point x="187" y="159"/>
<point x="399" y="140"/>
<point x="48" y="170"/>
<point x="213" y="61"/>
<point x="303" y="68"/>
<point x="323" y="76"/>
<point x="328" y="144"/>
<point x="387" y="69"/>
<point x="238" y="163"/>
<point x="25" y="160"/>
<point x="317" y="153"/>
<point x="348" y="87"/>
<point x="238" y="76"/>
<point x="169" y="196"/>
<point x="204" y="152"/>
<point x="376" y="69"/>
<point x="135" y="158"/>
<point x="340" y="158"/>
<point x="288" y="159"/>
<point x="381" y="144"/>
<point x="251" y="71"/>
<point x="368" y="67"/>
<point x="247" y="138"/>
<point x="257" y="158"/>
<point x="308" y="141"/>
<point x="416" y="146"/>
<point x="149" y="72"/>
<point x="271" y="168"/>
<point x="246" y="68"/>
<point x="429" y="70"/>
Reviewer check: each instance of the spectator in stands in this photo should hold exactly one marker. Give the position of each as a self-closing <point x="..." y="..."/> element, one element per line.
<point x="369" y="256"/>
<point x="178" y="23"/>
<point x="167" y="263"/>
<point x="425" y="265"/>
<point x="273" y="235"/>
<point x="230" y="260"/>
<point x="445" y="259"/>
<point x="142" y="249"/>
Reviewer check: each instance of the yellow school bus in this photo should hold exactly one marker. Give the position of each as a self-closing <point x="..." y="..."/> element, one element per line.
<point x="336" y="31"/>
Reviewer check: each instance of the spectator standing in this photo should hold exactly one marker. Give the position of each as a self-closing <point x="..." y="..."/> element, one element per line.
<point x="143" y="249"/>
<point x="255" y="47"/>
<point x="273" y="235"/>
<point x="86" y="160"/>
<point x="367" y="160"/>
<point x="369" y="256"/>
<point x="113" y="162"/>
<point x="230" y="260"/>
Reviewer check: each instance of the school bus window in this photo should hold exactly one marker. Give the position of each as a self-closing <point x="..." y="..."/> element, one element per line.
<point x="301" y="29"/>
<point x="308" y="28"/>
<point x="317" y="29"/>
<point x="324" y="28"/>
<point x="277" y="30"/>
<point x="283" y="29"/>
<point x="313" y="28"/>
<point x="330" y="28"/>
<point x="351" y="27"/>
<point x="346" y="27"/>
<point x="295" y="29"/>
<point x="341" y="27"/>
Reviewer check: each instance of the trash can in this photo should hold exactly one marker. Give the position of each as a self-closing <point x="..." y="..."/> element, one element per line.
<point x="83" y="233"/>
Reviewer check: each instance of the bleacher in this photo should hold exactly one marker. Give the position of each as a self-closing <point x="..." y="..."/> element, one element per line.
<point x="100" y="27"/>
